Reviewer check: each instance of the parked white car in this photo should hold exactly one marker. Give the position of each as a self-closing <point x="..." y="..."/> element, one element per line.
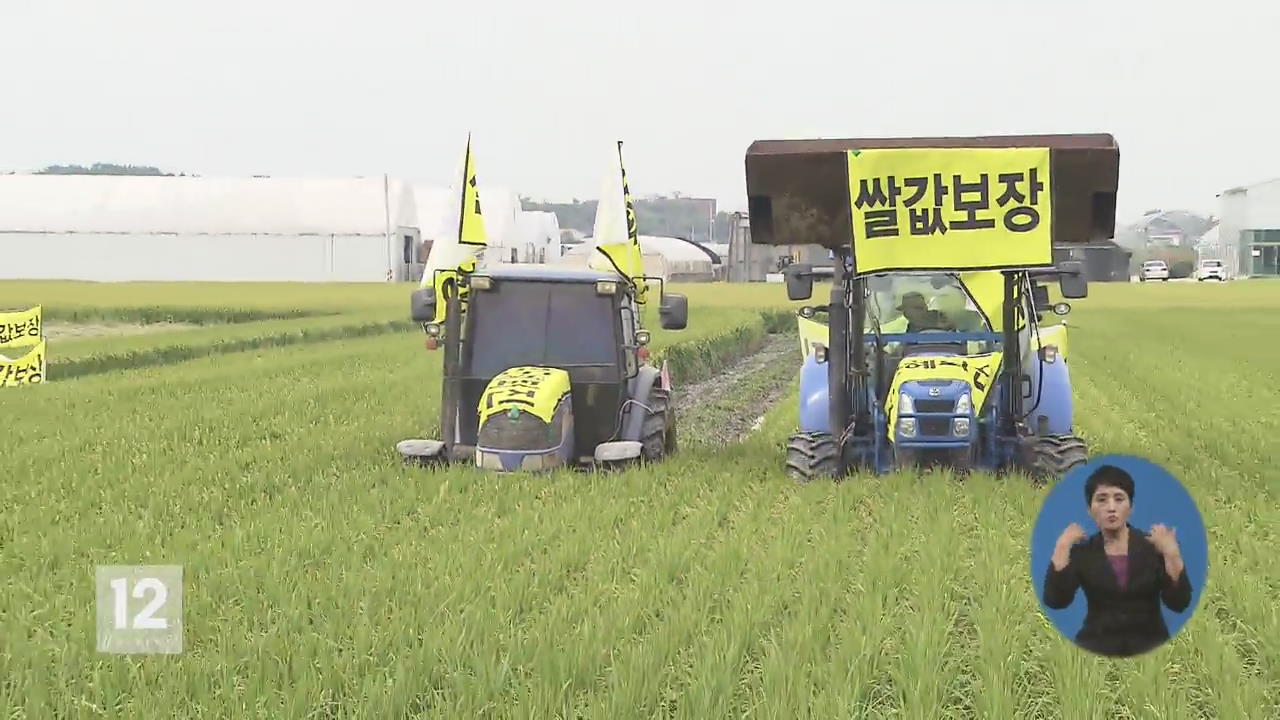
<point x="1211" y="270"/>
<point x="1154" y="270"/>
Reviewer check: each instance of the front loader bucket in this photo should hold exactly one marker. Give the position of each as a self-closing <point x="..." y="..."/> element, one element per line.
<point x="798" y="191"/>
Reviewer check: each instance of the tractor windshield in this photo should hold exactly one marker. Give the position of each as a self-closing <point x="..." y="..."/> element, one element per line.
<point x="916" y="303"/>
<point x="540" y="323"/>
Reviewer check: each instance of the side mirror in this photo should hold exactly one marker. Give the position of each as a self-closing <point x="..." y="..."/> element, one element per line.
<point x="799" y="281"/>
<point x="1072" y="282"/>
<point x="1040" y="295"/>
<point x="674" y="311"/>
<point x="422" y="305"/>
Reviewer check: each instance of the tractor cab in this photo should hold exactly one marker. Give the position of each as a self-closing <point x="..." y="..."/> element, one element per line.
<point x="540" y="368"/>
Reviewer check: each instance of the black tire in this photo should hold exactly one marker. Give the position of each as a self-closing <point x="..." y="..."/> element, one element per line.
<point x="811" y="456"/>
<point x="657" y="434"/>
<point x="1052" y="456"/>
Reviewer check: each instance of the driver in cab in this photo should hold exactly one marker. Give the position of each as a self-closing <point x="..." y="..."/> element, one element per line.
<point x="915" y="308"/>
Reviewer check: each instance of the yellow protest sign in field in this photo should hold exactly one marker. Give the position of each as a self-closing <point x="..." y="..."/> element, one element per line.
<point x="29" y="369"/>
<point x="22" y="328"/>
<point x="23" y="331"/>
<point x="950" y="209"/>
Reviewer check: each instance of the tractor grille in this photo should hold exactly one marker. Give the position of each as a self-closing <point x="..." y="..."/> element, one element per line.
<point x="524" y="432"/>
<point x="927" y="406"/>
<point x="935" y="426"/>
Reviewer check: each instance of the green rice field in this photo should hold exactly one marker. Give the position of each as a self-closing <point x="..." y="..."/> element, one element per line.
<point x="247" y="432"/>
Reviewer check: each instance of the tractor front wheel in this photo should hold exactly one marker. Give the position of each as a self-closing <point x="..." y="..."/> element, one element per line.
<point x="812" y="455"/>
<point x="1052" y="456"/>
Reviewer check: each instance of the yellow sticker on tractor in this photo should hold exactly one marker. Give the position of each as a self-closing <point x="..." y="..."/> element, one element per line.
<point x="531" y="389"/>
<point x="951" y="209"/>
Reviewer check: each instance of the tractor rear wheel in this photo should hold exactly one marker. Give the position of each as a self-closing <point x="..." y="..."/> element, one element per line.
<point x="812" y="455"/>
<point x="658" y="433"/>
<point x="1052" y="456"/>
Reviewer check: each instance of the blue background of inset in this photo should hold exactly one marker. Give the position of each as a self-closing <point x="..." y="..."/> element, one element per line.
<point x="1159" y="498"/>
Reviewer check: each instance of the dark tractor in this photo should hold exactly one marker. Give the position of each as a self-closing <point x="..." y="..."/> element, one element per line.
<point x="546" y="368"/>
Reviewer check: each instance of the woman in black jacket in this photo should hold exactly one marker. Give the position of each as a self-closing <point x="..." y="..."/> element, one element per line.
<point x="1125" y="572"/>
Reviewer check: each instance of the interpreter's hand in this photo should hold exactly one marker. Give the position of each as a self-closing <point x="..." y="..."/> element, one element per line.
<point x="1062" y="550"/>
<point x="1165" y="539"/>
<point x="1072" y="535"/>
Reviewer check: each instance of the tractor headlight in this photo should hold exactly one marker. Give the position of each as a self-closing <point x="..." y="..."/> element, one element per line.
<point x="964" y="405"/>
<point x="481" y="282"/>
<point x="907" y="427"/>
<point x="1049" y="353"/>
<point x="433" y="329"/>
<point x="606" y="287"/>
<point x="642" y="337"/>
<point x="819" y="352"/>
<point x="906" y="404"/>
<point x="960" y="426"/>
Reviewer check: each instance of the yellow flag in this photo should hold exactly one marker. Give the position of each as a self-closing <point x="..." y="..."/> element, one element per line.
<point x="454" y="255"/>
<point x="470" y="221"/>
<point x="616" y="232"/>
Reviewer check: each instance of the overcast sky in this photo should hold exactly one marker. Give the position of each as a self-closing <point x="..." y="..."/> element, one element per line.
<point x="286" y="87"/>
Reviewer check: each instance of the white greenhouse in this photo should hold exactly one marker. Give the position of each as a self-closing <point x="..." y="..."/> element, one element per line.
<point x="672" y="259"/>
<point x="122" y="228"/>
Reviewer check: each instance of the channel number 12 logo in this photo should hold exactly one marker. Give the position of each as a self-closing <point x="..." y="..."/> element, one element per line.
<point x="139" y="608"/>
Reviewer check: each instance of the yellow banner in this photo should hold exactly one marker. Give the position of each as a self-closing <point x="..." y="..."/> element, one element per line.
<point x="950" y="208"/>
<point x="470" y="221"/>
<point x="455" y="256"/>
<point x="977" y="370"/>
<point x="624" y="255"/>
<point x="812" y="333"/>
<point x="26" y="370"/>
<point x="531" y="389"/>
<point x="23" y="328"/>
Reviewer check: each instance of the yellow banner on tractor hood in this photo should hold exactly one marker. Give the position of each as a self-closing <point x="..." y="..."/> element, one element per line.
<point x="978" y="370"/>
<point x="950" y="209"/>
<point x="529" y="388"/>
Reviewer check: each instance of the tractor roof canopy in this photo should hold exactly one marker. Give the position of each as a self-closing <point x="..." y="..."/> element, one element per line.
<point x="806" y="192"/>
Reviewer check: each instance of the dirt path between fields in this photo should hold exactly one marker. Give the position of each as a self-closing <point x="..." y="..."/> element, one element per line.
<point x="59" y="330"/>
<point x="731" y="405"/>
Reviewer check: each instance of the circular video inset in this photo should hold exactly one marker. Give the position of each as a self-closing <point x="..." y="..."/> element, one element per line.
<point x="1119" y="556"/>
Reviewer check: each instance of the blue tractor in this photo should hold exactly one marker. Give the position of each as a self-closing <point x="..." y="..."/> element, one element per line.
<point x="930" y="361"/>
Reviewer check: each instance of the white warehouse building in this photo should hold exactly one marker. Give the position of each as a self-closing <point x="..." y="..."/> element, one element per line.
<point x="147" y="228"/>
<point x="1249" y="229"/>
